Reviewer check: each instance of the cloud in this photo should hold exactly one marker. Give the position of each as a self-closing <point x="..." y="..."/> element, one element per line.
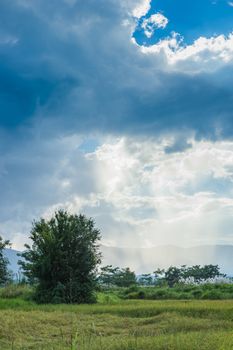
<point x="142" y="8"/>
<point x="154" y="22"/>
<point x="203" y="55"/>
<point x="75" y="68"/>
<point x="135" y="190"/>
<point x="201" y="47"/>
<point x="138" y="136"/>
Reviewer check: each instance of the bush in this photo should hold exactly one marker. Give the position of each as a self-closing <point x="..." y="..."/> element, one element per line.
<point x="12" y="291"/>
<point x="131" y="289"/>
<point x="213" y="295"/>
<point x="162" y="294"/>
<point x="197" y="293"/>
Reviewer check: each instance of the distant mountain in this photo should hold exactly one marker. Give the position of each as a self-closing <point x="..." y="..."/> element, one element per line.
<point x="148" y="259"/>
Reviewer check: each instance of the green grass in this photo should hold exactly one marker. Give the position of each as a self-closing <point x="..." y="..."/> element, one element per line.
<point x="180" y="292"/>
<point x="115" y="324"/>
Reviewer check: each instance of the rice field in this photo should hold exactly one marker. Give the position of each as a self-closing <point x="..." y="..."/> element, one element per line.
<point x="119" y="325"/>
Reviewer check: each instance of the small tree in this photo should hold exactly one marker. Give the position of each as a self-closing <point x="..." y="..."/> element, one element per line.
<point x="172" y="275"/>
<point x="4" y="272"/>
<point x="63" y="258"/>
<point x="125" y="278"/>
<point x="146" y="279"/>
<point x="110" y="275"/>
<point x="107" y="275"/>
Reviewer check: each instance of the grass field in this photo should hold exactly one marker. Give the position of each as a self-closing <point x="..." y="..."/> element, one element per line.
<point x="117" y="325"/>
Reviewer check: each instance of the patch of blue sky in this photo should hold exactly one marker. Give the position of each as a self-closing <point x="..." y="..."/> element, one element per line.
<point x="89" y="145"/>
<point x="190" y="19"/>
<point x="218" y="186"/>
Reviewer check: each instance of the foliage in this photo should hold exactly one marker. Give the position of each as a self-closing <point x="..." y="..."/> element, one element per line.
<point x="13" y="290"/>
<point x="172" y="275"/>
<point x="198" y="273"/>
<point x="63" y="258"/>
<point x="179" y="292"/>
<point x="125" y="278"/>
<point x="110" y="297"/>
<point x="111" y="276"/>
<point x="146" y="279"/>
<point x="201" y="273"/>
<point x="5" y="275"/>
<point x="107" y="275"/>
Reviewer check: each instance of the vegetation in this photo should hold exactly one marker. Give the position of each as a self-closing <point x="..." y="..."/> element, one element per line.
<point x="110" y="276"/>
<point x="116" y="325"/>
<point x="63" y="259"/>
<point x="61" y="267"/>
<point x="62" y="262"/>
<point x="198" y="273"/>
<point x="178" y="292"/>
<point x="5" y="275"/>
<point x="13" y="290"/>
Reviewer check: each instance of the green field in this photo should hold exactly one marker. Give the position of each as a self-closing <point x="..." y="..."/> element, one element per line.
<point x="123" y="325"/>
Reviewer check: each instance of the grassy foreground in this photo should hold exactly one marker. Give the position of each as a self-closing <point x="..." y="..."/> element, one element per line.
<point x="123" y="325"/>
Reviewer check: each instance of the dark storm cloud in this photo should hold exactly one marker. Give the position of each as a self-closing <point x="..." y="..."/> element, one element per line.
<point x="74" y="67"/>
<point x="70" y="67"/>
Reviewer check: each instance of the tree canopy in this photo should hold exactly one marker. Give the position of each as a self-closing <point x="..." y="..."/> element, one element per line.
<point x="110" y="275"/>
<point x="175" y="274"/>
<point x="63" y="258"/>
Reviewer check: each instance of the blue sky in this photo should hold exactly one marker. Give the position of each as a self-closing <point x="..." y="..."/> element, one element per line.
<point x="190" y="19"/>
<point x="121" y="110"/>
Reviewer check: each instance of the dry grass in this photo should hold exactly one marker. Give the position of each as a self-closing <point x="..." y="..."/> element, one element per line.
<point x="128" y="325"/>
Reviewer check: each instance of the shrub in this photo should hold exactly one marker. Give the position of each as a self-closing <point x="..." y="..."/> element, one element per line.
<point x="213" y="295"/>
<point x="12" y="291"/>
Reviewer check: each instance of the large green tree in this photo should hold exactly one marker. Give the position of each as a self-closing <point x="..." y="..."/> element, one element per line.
<point x="63" y="258"/>
<point x="4" y="272"/>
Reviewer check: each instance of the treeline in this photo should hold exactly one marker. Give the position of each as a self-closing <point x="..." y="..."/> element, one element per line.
<point x="63" y="263"/>
<point x="114" y="276"/>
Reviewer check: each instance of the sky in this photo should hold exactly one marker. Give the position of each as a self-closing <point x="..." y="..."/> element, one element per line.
<point x="121" y="110"/>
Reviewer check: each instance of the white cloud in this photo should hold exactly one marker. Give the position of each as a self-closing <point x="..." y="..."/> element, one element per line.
<point x="206" y="54"/>
<point x="142" y="8"/>
<point x="137" y="193"/>
<point x="145" y="195"/>
<point x="154" y="22"/>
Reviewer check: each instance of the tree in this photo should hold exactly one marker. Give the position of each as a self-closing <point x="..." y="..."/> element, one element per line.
<point x="107" y="275"/>
<point x="146" y="279"/>
<point x="202" y="273"/>
<point x="4" y="272"/>
<point x="125" y="278"/>
<point x="172" y="275"/>
<point x="115" y="276"/>
<point x="63" y="258"/>
<point x="159" y="273"/>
